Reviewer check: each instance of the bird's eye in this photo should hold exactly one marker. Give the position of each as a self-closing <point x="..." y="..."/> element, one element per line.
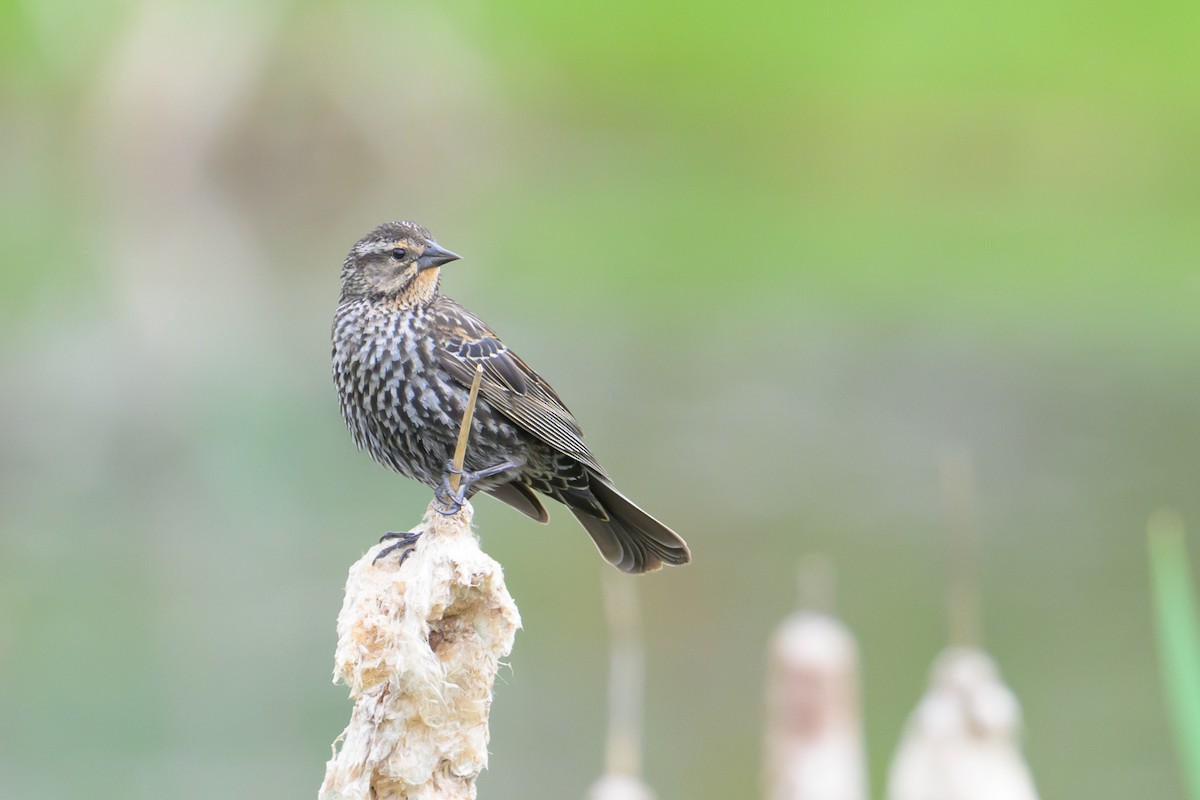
<point x="399" y="253"/>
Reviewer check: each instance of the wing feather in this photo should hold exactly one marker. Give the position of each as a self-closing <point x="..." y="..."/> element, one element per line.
<point x="508" y="384"/>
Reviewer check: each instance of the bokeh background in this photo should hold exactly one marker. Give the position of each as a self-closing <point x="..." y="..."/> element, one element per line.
<point x="776" y="256"/>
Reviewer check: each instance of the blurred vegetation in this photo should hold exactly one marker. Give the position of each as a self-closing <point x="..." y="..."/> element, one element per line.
<point x="773" y="255"/>
<point x="1178" y="642"/>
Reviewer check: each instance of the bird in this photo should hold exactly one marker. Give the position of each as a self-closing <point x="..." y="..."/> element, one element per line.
<point x="404" y="357"/>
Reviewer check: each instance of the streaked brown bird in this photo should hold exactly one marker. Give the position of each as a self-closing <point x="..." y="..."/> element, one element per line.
<point x="404" y="356"/>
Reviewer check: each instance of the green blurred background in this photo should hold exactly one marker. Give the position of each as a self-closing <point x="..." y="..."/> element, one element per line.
<point x="776" y="256"/>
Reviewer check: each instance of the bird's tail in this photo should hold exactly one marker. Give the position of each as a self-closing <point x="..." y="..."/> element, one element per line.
<point x="629" y="538"/>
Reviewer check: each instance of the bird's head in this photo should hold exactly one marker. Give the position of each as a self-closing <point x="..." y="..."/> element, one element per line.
<point x="398" y="262"/>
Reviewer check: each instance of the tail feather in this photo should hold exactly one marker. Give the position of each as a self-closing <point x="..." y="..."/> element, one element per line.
<point x="521" y="497"/>
<point x="630" y="539"/>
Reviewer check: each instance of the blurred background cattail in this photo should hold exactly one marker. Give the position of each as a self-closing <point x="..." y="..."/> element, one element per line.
<point x="626" y="676"/>
<point x="814" y="737"/>
<point x="963" y="740"/>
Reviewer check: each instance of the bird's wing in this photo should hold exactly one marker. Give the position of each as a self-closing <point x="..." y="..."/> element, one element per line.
<point x="508" y="383"/>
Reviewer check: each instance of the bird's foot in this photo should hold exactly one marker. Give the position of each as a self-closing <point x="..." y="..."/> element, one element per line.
<point x="451" y="500"/>
<point x="403" y="541"/>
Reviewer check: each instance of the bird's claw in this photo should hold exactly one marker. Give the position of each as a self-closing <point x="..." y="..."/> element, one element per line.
<point x="450" y="501"/>
<point x="403" y="541"/>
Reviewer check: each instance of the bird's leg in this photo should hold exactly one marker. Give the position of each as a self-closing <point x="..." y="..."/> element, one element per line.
<point x="452" y="500"/>
<point x="404" y="541"/>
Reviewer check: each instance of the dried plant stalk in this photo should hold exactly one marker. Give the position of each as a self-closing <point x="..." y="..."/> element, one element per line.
<point x="958" y="498"/>
<point x="419" y="644"/>
<point x="464" y="429"/>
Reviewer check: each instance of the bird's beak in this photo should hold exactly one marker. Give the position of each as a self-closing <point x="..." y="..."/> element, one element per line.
<point x="434" y="256"/>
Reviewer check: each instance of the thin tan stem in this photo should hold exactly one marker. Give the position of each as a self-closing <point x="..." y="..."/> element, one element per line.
<point x="626" y="675"/>
<point x="958" y="498"/>
<point x="464" y="430"/>
<point x="817" y="582"/>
